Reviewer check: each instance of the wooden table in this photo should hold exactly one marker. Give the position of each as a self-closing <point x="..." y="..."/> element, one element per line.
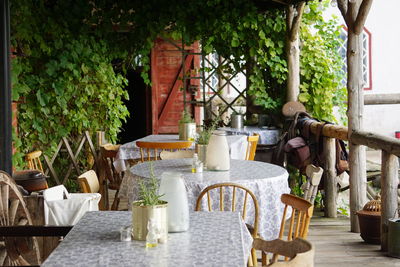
<point x="213" y="239"/>
<point x="267" y="181"/>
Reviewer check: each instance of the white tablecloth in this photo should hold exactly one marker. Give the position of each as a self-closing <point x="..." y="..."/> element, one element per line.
<point x="267" y="136"/>
<point x="237" y="146"/>
<point x="267" y="181"/>
<point x="213" y="239"/>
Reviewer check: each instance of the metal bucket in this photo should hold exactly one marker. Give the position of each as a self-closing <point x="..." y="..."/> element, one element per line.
<point x="141" y="216"/>
<point x="201" y="151"/>
<point x="394" y="237"/>
<point x="237" y="121"/>
<point x="187" y="131"/>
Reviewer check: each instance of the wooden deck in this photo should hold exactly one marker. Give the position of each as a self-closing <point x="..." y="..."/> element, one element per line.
<point x="336" y="246"/>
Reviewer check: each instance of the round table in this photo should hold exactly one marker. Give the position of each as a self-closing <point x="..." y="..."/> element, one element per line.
<point x="267" y="181"/>
<point x="268" y="136"/>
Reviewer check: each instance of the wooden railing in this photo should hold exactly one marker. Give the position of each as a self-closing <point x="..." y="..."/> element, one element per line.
<point x="389" y="170"/>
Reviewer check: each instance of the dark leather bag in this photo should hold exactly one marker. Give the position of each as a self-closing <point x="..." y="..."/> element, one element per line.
<point x="298" y="153"/>
<point x="342" y="158"/>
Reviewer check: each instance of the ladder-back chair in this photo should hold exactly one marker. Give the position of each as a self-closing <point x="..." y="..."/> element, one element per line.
<point x="252" y="142"/>
<point x="109" y="177"/>
<point x="153" y="149"/>
<point x="299" y="222"/>
<point x="310" y="188"/>
<point x="299" y="251"/>
<point x="33" y="160"/>
<point x="232" y="189"/>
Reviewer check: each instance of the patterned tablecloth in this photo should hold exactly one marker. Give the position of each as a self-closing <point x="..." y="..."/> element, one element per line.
<point x="267" y="181"/>
<point x="267" y="136"/>
<point x="213" y="239"/>
<point x="237" y="145"/>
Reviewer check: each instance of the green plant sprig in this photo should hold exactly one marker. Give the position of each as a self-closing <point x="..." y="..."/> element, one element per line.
<point x="186" y="117"/>
<point x="148" y="190"/>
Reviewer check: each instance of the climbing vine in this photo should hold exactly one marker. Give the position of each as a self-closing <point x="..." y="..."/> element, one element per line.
<point x="71" y="56"/>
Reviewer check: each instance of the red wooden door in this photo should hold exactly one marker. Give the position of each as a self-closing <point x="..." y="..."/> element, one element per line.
<point x="167" y="84"/>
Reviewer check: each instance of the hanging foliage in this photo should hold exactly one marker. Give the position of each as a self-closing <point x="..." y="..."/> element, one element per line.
<point x="66" y="82"/>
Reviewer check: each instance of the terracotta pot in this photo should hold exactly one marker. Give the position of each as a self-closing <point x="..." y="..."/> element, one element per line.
<point x="370" y="226"/>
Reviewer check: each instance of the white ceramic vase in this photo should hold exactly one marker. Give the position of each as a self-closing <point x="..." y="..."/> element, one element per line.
<point x="217" y="156"/>
<point x="174" y="190"/>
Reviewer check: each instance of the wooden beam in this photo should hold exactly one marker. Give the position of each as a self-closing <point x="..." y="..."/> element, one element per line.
<point x="34" y="230"/>
<point x="389" y="183"/>
<point x="381" y="99"/>
<point x="330" y="182"/>
<point x="331" y="130"/>
<point x="5" y="90"/>
<point x="376" y="141"/>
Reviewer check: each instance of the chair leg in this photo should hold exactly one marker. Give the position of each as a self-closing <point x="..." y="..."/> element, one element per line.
<point x="115" y="203"/>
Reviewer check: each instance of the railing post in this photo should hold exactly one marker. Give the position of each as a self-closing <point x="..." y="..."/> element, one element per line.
<point x="330" y="183"/>
<point x="389" y="183"/>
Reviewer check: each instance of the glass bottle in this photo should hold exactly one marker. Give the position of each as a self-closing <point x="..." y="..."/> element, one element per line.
<point x="194" y="162"/>
<point x="151" y="237"/>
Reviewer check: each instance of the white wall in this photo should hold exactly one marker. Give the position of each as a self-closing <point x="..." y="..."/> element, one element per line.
<point x="383" y="24"/>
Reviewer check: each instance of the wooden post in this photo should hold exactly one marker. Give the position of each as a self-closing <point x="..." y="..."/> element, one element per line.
<point x="293" y="20"/>
<point x="355" y="14"/>
<point x="330" y="184"/>
<point x="389" y="183"/>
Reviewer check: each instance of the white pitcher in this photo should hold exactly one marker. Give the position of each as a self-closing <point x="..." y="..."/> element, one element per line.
<point x="174" y="190"/>
<point x="217" y="156"/>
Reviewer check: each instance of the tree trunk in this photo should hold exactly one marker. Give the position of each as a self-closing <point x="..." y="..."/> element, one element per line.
<point x="389" y="183"/>
<point x="330" y="183"/>
<point x="293" y="60"/>
<point x="358" y="178"/>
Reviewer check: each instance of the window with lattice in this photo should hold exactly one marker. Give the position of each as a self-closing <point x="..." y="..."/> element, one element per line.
<point x="366" y="57"/>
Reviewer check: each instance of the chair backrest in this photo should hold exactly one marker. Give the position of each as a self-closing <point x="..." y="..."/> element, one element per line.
<point x="314" y="175"/>
<point x="233" y="189"/>
<point x="33" y="160"/>
<point x="180" y="154"/>
<point x="236" y="191"/>
<point x="88" y="182"/>
<point x="302" y="211"/>
<point x="252" y="142"/>
<point x="153" y="148"/>
<point x="108" y="153"/>
<point x="299" y="252"/>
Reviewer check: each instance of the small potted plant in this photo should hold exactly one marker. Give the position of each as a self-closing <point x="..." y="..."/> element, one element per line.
<point x="202" y="140"/>
<point x="237" y="119"/>
<point x="148" y="208"/>
<point x="187" y="127"/>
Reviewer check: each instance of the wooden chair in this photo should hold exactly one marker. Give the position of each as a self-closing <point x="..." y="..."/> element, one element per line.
<point x="89" y="183"/>
<point x="232" y="189"/>
<point x="180" y="154"/>
<point x="299" y="251"/>
<point x="33" y="160"/>
<point x="252" y="142"/>
<point x="302" y="211"/>
<point x="109" y="177"/>
<point x="18" y="243"/>
<point x="310" y="188"/>
<point x="154" y="147"/>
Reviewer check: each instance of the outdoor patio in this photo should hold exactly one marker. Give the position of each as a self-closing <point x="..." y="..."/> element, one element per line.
<point x="212" y="134"/>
